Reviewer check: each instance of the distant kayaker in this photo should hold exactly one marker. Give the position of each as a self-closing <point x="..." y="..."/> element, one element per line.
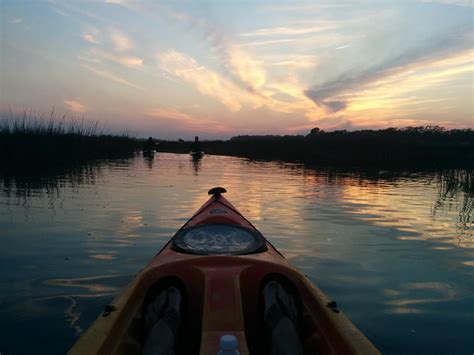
<point x="149" y="144"/>
<point x="196" y="145"/>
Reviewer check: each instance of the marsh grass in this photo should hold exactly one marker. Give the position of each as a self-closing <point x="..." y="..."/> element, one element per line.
<point x="28" y="141"/>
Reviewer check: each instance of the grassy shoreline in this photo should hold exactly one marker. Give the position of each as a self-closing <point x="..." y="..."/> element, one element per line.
<point x="29" y="143"/>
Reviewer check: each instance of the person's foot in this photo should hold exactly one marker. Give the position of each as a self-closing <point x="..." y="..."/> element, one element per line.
<point x="155" y="310"/>
<point x="171" y="314"/>
<point x="287" y="302"/>
<point x="165" y="306"/>
<point x="162" y="321"/>
<point x="174" y="298"/>
<point x="281" y="320"/>
<point x="278" y="303"/>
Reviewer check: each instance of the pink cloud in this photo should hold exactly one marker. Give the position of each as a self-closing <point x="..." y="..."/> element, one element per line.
<point x="75" y="106"/>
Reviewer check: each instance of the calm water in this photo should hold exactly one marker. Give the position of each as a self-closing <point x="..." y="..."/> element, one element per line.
<point x="396" y="251"/>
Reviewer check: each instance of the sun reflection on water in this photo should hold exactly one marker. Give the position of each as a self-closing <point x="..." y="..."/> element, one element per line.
<point x="406" y="300"/>
<point x="393" y="244"/>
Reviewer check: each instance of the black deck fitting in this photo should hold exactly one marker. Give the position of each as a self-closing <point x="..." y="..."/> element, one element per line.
<point x="216" y="191"/>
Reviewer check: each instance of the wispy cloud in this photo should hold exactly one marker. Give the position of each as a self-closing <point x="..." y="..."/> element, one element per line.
<point x="59" y="11"/>
<point x="188" y="121"/>
<point x="288" y="31"/>
<point x="121" y="42"/>
<point x="466" y="3"/>
<point x="234" y="97"/>
<point x="398" y="90"/>
<point x="132" y="62"/>
<point x="65" y="8"/>
<point x="336" y="97"/>
<point x="88" y="58"/>
<point x="306" y="7"/>
<point x="118" y="2"/>
<point x="171" y="114"/>
<point x="300" y="43"/>
<point x="246" y="71"/>
<point x="111" y="76"/>
<point x="406" y="97"/>
<point x="352" y="64"/>
<point x="240" y="66"/>
<point x="402" y="61"/>
<point x="91" y="38"/>
<point x="244" y="83"/>
<point x="206" y="81"/>
<point x="75" y="106"/>
<point x="291" y="61"/>
<point x="269" y="42"/>
<point x="97" y="55"/>
<point x="15" y="20"/>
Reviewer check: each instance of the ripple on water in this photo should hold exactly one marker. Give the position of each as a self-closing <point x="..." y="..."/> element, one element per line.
<point x="393" y="248"/>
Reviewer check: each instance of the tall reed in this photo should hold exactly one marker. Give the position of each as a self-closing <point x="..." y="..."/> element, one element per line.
<point x="29" y="140"/>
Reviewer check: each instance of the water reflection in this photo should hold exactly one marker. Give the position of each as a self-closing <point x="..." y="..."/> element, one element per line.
<point x="149" y="158"/>
<point x="411" y="296"/>
<point x="90" y="284"/>
<point x="452" y="183"/>
<point x="73" y="317"/>
<point x="388" y="246"/>
<point x="371" y="196"/>
<point x="196" y="160"/>
<point x="91" y="287"/>
<point x="50" y="182"/>
<point x="434" y="206"/>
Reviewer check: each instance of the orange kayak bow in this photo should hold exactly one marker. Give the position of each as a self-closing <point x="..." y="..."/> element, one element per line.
<point x="220" y="262"/>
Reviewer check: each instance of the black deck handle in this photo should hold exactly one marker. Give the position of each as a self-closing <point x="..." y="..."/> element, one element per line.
<point x="216" y="191"/>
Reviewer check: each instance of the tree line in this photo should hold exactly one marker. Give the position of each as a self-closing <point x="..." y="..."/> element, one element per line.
<point x="426" y="146"/>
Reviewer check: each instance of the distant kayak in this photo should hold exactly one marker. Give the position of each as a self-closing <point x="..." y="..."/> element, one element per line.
<point x="148" y="153"/>
<point x="222" y="271"/>
<point x="199" y="153"/>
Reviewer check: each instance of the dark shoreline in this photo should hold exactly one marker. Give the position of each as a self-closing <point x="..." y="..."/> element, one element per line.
<point x="37" y="145"/>
<point x="411" y="147"/>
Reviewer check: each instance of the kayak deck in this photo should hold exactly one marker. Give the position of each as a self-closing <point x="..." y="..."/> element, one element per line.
<point x="222" y="295"/>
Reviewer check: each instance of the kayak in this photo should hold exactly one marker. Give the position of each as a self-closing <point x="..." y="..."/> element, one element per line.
<point x="149" y="152"/>
<point x="220" y="263"/>
<point x="198" y="153"/>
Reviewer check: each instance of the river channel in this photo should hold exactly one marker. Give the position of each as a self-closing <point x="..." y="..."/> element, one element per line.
<point x="394" y="249"/>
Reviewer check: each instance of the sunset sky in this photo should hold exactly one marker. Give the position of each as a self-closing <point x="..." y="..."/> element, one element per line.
<point x="223" y="68"/>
